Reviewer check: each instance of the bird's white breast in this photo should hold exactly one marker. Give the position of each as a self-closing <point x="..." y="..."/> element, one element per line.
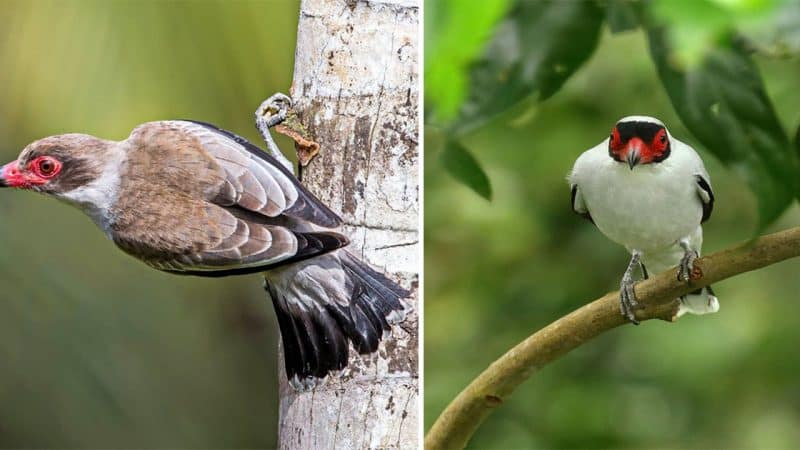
<point x="647" y="208"/>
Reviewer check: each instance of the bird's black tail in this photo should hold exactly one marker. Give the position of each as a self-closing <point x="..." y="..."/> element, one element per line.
<point x="324" y="304"/>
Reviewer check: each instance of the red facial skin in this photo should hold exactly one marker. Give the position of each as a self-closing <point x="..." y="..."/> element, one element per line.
<point x="648" y="152"/>
<point x="38" y="172"/>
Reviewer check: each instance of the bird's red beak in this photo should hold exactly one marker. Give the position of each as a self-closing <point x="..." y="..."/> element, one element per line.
<point x="633" y="151"/>
<point x="10" y="176"/>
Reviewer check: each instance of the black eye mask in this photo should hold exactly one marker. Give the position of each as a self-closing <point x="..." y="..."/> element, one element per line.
<point x="646" y="131"/>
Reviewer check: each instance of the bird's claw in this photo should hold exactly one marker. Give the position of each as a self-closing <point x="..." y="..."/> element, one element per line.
<point x="627" y="300"/>
<point x="302" y="384"/>
<point x="687" y="265"/>
<point x="273" y="110"/>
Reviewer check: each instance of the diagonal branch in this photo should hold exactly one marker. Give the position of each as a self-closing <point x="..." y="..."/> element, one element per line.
<point x="462" y="417"/>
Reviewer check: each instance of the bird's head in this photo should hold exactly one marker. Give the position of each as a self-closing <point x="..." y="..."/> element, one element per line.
<point x="638" y="140"/>
<point x="56" y="165"/>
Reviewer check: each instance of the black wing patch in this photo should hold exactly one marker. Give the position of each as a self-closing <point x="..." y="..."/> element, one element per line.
<point x="585" y="213"/>
<point x="708" y="199"/>
<point x="307" y="206"/>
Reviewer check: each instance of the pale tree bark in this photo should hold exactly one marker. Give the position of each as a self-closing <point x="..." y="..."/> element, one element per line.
<point x="355" y="94"/>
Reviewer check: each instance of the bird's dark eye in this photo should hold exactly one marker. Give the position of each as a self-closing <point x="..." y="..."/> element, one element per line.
<point x="47" y="167"/>
<point x="613" y="138"/>
<point x="663" y="138"/>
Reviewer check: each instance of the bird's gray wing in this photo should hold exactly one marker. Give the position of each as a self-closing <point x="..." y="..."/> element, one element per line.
<point x="578" y="205"/>
<point x="706" y="195"/>
<point x="195" y="237"/>
<point x="256" y="181"/>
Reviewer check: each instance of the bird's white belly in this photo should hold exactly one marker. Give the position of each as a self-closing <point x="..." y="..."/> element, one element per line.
<point x="647" y="208"/>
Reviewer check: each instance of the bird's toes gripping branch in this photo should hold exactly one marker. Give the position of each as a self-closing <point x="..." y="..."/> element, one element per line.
<point x="687" y="263"/>
<point x="627" y="295"/>
<point x="627" y="300"/>
<point x="272" y="112"/>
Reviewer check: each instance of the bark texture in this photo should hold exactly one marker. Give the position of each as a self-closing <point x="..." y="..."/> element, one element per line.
<point x="355" y="94"/>
<point x="456" y="424"/>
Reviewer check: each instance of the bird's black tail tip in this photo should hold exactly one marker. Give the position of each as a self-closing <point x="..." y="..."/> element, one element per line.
<point x="317" y="329"/>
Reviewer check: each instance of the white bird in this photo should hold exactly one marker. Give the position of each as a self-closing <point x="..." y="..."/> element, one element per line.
<point x="650" y="192"/>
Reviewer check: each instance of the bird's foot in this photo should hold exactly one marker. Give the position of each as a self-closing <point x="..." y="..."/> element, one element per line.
<point x="302" y="384"/>
<point x="645" y="274"/>
<point x="627" y="295"/>
<point x="687" y="265"/>
<point x="273" y="110"/>
<point x="627" y="300"/>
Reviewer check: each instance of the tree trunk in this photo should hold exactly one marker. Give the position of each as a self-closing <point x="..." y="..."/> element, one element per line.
<point x="355" y="93"/>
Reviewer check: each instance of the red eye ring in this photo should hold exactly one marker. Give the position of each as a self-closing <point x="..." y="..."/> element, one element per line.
<point x="661" y="138"/>
<point x="614" y="138"/>
<point x="46" y="166"/>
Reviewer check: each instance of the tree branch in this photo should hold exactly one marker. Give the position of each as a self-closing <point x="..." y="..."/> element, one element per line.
<point x="462" y="417"/>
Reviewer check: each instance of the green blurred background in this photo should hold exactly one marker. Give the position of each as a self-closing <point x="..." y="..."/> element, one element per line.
<point x="96" y="349"/>
<point x="497" y="271"/>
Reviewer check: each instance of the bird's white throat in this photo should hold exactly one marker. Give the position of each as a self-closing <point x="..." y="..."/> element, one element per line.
<point x="97" y="197"/>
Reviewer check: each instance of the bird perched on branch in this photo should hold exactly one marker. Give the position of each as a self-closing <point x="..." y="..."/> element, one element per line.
<point x="189" y="198"/>
<point x="650" y="192"/>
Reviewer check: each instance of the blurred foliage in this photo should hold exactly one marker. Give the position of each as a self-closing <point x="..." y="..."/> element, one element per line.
<point x="455" y="40"/>
<point x="532" y="52"/>
<point x="696" y="27"/>
<point x="96" y="349"/>
<point x="496" y="272"/>
<point x="460" y="163"/>
<point x="703" y="61"/>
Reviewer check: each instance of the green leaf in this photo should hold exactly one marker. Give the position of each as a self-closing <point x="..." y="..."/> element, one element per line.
<point x="536" y="48"/>
<point x="460" y="163"/>
<point x="621" y="16"/>
<point x="454" y="37"/>
<point x="722" y="101"/>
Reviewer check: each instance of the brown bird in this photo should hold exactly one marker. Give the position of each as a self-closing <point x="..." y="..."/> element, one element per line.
<point x="189" y="198"/>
